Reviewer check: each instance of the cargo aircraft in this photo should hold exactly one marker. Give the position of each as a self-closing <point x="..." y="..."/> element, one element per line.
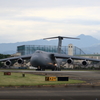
<point x="47" y="60"/>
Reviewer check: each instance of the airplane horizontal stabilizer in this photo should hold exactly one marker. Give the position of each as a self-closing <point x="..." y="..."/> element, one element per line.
<point x="61" y="37"/>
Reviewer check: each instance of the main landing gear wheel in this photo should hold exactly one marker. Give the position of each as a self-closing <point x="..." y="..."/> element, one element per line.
<point x="40" y="69"/>
<point x="56" y="69"/>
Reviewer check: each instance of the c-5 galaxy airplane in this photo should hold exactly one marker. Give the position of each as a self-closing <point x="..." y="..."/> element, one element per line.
<point x="46" y="60"/>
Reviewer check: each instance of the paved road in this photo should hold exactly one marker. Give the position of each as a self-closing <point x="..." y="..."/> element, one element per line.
<point x="50" y="93"/>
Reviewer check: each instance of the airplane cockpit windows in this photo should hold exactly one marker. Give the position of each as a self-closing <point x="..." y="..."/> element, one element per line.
<point x="38" y="51"/>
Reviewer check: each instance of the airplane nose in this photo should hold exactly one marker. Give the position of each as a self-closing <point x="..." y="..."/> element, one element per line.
<point x="38" y="60"/>
<point x="34" y="60"/>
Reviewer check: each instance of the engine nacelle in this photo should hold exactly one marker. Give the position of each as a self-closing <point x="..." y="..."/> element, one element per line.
<point x="8" y="63"/>
<point x="85" y="63"/>
<point x="20" y="61"/>
<point x="70" y="61"/>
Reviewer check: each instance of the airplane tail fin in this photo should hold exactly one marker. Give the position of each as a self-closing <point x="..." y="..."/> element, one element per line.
<point x="60" y="38"/>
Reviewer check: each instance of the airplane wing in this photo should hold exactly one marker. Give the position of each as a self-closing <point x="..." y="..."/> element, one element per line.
<point x="63" y="56"/>
<point x="15" y="58"/>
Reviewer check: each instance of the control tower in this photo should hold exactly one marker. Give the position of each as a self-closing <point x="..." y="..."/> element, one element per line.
<point x="70" y="49"/>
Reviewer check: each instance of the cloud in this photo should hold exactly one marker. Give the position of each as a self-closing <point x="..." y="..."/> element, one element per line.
<point x="47" y="3"/>
<point x="24" y="20"/>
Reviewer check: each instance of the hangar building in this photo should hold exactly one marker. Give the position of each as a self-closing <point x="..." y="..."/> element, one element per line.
<point x="29" y="49"/>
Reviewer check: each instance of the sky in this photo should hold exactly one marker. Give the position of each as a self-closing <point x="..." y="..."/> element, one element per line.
<point x="26" y="20"/>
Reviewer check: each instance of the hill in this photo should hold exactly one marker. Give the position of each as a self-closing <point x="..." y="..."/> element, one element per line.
<point x="88" y="44"/>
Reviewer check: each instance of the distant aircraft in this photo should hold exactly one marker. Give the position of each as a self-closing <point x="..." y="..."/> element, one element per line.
<point x="46" y="60"/>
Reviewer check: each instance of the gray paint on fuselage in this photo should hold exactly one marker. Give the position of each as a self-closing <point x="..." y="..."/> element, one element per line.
<point x="42" y="59"/>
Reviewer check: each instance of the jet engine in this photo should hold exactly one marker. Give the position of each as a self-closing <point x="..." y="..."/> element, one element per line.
<point x="85" y="63"/>
<point x="20" y="61"/>
<point x="70" y="61"/>
<point x="8" y="63"/>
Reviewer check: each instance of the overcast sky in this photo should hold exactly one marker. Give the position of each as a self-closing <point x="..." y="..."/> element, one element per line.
<point x="24" y="20"/>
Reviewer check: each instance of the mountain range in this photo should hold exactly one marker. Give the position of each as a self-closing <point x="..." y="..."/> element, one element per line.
<point x="87" y="43"/>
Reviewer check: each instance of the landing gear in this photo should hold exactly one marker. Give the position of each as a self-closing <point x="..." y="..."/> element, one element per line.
<point x="56" y="69"/>
<point x="40" y="69"/>
<point x="43" y="69"/>
<point x="59" y="69"/>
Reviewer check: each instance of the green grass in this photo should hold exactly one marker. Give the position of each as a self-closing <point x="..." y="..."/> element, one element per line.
<point x="16" y="79"/>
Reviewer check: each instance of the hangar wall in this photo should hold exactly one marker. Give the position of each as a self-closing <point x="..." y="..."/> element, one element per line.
<point x="29" y="49"/>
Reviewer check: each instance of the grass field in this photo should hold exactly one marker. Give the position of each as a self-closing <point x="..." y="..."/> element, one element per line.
<point x="16" y="79"/>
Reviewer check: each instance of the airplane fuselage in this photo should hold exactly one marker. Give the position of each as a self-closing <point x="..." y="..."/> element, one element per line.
<point x="43" y="60"/>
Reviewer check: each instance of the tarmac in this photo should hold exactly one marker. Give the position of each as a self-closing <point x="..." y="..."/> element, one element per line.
<point x="85" y="91"/>
<point x="50" y="93"/>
